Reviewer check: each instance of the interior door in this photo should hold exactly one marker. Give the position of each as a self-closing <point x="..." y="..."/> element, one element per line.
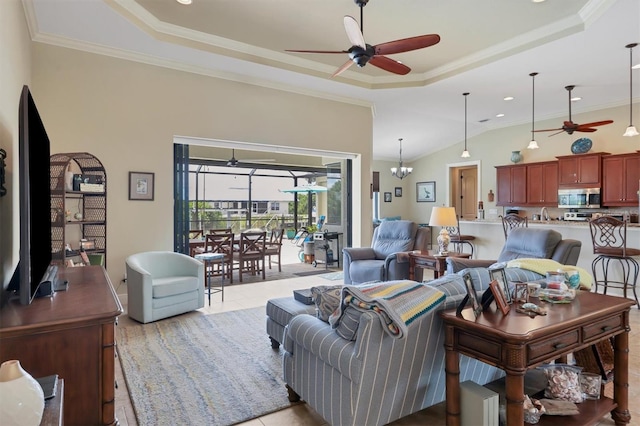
<point x="467" y="196"/>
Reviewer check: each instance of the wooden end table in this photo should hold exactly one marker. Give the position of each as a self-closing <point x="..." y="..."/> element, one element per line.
<point x="516" y="343"/>
<point x="430" y="259"/>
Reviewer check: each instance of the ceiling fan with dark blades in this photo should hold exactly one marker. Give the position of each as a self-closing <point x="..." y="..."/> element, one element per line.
<point x="233" y="162"/>
<point x="362" y="53"/>
<point x="570" y="126"/>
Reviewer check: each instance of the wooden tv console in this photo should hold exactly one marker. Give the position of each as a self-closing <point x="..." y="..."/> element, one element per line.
<point x="71" y="334"/>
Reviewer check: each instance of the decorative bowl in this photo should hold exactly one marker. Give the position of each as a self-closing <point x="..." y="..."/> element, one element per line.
<point x="557" y="296"/>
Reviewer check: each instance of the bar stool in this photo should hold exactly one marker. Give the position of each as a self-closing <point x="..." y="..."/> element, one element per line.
<point x="609" y="238"/>
<point x="511" y="221"/>
<point x="458" y="240"/>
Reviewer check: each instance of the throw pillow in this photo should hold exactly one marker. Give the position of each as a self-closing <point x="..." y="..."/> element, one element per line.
<point x="327" y="300"/>
<point x="347" y="328"/>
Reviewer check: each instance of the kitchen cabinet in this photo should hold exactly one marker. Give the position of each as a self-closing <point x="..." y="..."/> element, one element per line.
<point x="542" y="184"/>
<point x="620" y="177"/>
<point x="582" y="170"/>
<point x="512" y="185"/>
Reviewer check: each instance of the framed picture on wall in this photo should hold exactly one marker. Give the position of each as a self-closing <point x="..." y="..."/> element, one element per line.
<point x="426" y="192"/>
<point x="398" y="191"/>
<point x="387" y="197"/>
<point x="141" y="186"/>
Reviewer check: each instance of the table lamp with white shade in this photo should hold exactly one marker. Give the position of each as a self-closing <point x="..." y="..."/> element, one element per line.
<point x="443" y="216"/>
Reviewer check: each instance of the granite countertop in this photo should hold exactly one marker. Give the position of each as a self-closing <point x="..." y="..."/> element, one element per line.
<point x="547" y="222"/>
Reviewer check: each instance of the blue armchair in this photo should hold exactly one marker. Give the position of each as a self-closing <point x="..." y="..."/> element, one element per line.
<point x="162" y="284"/>
<point x="384" y="260"/>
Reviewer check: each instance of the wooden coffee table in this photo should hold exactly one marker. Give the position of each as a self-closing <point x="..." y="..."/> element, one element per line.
<point x="516" y="343"/>
<point x="430" y="259"/>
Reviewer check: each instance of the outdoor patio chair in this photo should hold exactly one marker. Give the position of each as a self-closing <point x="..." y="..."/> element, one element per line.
<point x="220" y="243"/>
<point x="251" y="253"/>
<point x="274" y="247"/>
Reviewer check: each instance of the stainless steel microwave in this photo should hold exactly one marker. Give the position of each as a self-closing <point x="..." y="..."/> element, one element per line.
<point x="579" y="198"/>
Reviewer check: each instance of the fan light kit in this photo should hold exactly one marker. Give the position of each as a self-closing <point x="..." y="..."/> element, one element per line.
<point x="465" y="153"/>
<point x="533" y="144"/>
<point x="631" y="130"/>
<point x="401" y="172"/>
<point x="362" y="53"/>
<point x="570" y="127"/>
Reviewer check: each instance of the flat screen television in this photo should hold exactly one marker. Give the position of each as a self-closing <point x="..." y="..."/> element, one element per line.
<point x="34" y="180"/>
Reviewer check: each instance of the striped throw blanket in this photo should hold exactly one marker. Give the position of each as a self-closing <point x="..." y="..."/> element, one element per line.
<point x="398" y="303"/>
<point x="542" y="266"/>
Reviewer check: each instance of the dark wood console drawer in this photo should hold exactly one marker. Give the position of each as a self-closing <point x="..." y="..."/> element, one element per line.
<point x="602" y="328"/>
<point x="475" y="345"/>
<point x="553" y="346"/>
<point x="427" y="263"/>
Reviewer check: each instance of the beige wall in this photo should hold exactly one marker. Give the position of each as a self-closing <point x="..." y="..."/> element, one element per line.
<point x="399" y="206"/>
<point x="127" y="113"/>
<point x="494" y="148"/>
<point x="15" y="71"/>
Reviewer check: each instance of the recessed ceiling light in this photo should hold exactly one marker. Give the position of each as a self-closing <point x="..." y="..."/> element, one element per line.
<point x="537" y="1"/>
<point x="636" y="67"/>
<point x="508" y="98"/>
<point x="576" y="98"/>
<point x="499" y="115"/>
<point x="184" y="1"/>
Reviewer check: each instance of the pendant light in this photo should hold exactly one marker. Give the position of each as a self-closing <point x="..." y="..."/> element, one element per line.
<point x="401" y="172"/>
<point x="631" y="130"/>
<point x="533" y="144"/>
<point x="465" y="153"/>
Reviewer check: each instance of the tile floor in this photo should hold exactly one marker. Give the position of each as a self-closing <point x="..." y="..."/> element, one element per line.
<point x="253" y="295"/>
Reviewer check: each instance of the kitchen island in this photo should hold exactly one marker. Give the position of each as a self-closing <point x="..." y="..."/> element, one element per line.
<point x="490" y="238"/>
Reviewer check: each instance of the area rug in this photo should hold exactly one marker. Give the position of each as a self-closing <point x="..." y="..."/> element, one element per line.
<point x="198" y="369"/>
<point x="309" y="273"/>
<point x="334" y="276"/>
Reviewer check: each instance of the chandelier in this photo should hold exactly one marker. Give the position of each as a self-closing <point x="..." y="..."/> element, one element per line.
<point x="401" y="172"/>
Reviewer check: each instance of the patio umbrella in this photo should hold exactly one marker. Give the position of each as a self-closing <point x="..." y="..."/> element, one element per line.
<point x="309" y="189"/>
<point x="306" y="188"/>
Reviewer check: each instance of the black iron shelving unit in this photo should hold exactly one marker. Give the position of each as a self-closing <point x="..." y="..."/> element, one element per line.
<point x="92" y="206"/>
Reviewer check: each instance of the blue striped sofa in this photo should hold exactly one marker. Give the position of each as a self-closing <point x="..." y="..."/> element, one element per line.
<point x="377" y="378"/>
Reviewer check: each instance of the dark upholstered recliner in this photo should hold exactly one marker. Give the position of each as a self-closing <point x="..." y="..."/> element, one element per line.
<point x="384" y="261"/>
<point x="527" y="243"/>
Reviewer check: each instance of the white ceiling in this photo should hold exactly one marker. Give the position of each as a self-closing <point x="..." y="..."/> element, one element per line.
<point x="487" y="48"/>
